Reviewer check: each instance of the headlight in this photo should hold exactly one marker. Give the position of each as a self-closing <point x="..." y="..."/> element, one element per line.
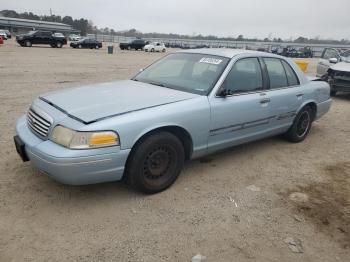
<point x="83" y="140"/>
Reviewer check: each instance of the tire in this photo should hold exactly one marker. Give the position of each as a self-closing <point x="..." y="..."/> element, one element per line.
<point x="129" y="48"/>
<point x="52" y="45"/>
<point x="333" y="93"/>
<point x="59" y="45"/>
<point x="301" y="126"/>
<point x="163" y="50"/>
<point x="27" y="43"/>
<point x="97" y="47"/>
<point x="152" y="50"/>
<point x="155" y="163"/>
<point x="80" y="46"/>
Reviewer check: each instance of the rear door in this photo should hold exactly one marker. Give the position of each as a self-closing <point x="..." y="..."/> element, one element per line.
<point x="244" y="114"/>
<point x="324" y="63"/>
<point x="284" y="91"/>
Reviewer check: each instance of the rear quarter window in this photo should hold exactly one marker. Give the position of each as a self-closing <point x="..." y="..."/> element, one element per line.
<point x="277" y="74"/>
<point x="291" y="75"/>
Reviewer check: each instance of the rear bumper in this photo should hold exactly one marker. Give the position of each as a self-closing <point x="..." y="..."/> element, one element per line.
<point x="323" y="108"/>
<point x="85" y="167"/>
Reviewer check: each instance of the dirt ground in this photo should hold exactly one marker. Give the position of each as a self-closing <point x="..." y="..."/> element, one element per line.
<point x="255" y="202"/>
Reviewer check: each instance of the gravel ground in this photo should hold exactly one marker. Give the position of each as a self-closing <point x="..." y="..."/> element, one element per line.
<point x="263" y="201"/>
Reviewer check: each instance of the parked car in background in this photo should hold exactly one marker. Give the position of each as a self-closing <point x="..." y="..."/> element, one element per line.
<point x="74" y="37"/>
<point x="184" y="106"/>
<point x="137" y="44"/>
<point x="42" y="38"/>
<point x="338" y="70"/>
<point x="3" y="35"/>
<point x="155" y="47"/>
<point x="329" y="57"/>
<point x="87" y="43"/>
<point x="7" y="32"/>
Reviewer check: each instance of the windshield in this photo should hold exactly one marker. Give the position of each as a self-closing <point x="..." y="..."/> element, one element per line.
<point x="194" y="73"/>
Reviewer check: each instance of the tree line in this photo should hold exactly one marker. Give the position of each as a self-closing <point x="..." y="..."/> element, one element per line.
<point x="86" y="26"/>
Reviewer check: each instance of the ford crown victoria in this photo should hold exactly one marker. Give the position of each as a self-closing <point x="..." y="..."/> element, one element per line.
<point x="184" y="106"/>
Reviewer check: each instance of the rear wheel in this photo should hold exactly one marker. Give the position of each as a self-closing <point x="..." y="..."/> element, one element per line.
<point x="59" y="45"/>
<point x="80" y="46"/>
<point x="28" y="43"/>
<point x="301" y="126"/>
<point x="155" y="163"/>
<point x="97" y="47"/>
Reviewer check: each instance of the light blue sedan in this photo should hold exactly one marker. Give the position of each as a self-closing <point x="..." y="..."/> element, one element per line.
<point x="184" y="106"/>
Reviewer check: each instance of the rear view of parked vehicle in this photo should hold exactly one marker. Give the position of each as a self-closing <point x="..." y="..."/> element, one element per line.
<point x="74" y="37"/>
<point x="87" y="43"/>
<point x="41" y="38"/>
<point x="3" y="35"/>
<point x="155" y="47"/>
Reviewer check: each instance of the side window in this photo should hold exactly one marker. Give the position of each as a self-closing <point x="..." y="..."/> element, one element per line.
<point x="245" y="76"/>
<point x="291" y="76"/>
<point x="276" y="73"/>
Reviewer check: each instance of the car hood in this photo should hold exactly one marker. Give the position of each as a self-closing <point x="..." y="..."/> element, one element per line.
<point x="341" y="66"/>
<point x="96" y="102"/>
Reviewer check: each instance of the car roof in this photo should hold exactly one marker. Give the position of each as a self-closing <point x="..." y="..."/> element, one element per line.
<point x="225" y="52"/>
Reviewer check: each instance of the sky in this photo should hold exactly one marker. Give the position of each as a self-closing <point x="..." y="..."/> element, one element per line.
<point x="251" y="18"/>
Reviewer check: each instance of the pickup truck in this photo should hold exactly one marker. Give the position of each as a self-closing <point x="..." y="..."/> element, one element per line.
<point x="41" y="37"/>
<point x="135" y="44"/>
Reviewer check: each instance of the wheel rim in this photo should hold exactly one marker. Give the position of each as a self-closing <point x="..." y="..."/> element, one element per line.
<point x="79" y="46"/>
<point x="159" y="165"/>
<point x="303" y="124"/>
<point x="27" y="43"/>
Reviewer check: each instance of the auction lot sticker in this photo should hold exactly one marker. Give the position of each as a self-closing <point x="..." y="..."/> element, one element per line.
<point x="209" y="60"/>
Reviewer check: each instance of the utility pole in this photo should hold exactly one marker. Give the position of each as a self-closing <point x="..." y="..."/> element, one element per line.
<point x="50" y="12"/>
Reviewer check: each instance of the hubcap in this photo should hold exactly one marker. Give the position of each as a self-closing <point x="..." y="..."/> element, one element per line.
<point x="303" y="124"/>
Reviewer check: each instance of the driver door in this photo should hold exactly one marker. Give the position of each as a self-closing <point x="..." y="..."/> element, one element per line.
<point x="244" y="114"/>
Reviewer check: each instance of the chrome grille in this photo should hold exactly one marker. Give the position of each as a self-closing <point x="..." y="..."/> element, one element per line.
<point x="37" y="123"/>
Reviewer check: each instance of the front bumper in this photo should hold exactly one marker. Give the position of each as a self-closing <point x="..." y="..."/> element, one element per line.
<point x="73" y="167"/>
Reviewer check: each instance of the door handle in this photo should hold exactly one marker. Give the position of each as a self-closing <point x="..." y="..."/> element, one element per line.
<point x="300" y="95"/>
<point x="265" y="100"/>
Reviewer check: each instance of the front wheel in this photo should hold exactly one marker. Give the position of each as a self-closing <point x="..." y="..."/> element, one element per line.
<point x="27" y="43"/>
<point x="155" y="163"/>
<point x="301" y="126"/>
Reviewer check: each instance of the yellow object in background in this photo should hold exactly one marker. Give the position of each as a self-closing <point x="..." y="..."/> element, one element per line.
<point x="302" y="65"/>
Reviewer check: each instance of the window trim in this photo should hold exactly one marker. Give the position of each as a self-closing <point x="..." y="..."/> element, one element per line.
<point x="263" y="78"/>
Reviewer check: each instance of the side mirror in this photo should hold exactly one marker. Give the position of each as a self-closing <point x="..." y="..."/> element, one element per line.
<point x="223" y="92"/>
<point x="333" y="60"/>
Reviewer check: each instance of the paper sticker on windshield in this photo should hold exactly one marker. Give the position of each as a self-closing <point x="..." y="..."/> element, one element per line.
<point x="208" y="60"/>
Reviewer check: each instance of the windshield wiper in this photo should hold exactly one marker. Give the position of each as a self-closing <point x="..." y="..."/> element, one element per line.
<point x="157" y="84"/>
